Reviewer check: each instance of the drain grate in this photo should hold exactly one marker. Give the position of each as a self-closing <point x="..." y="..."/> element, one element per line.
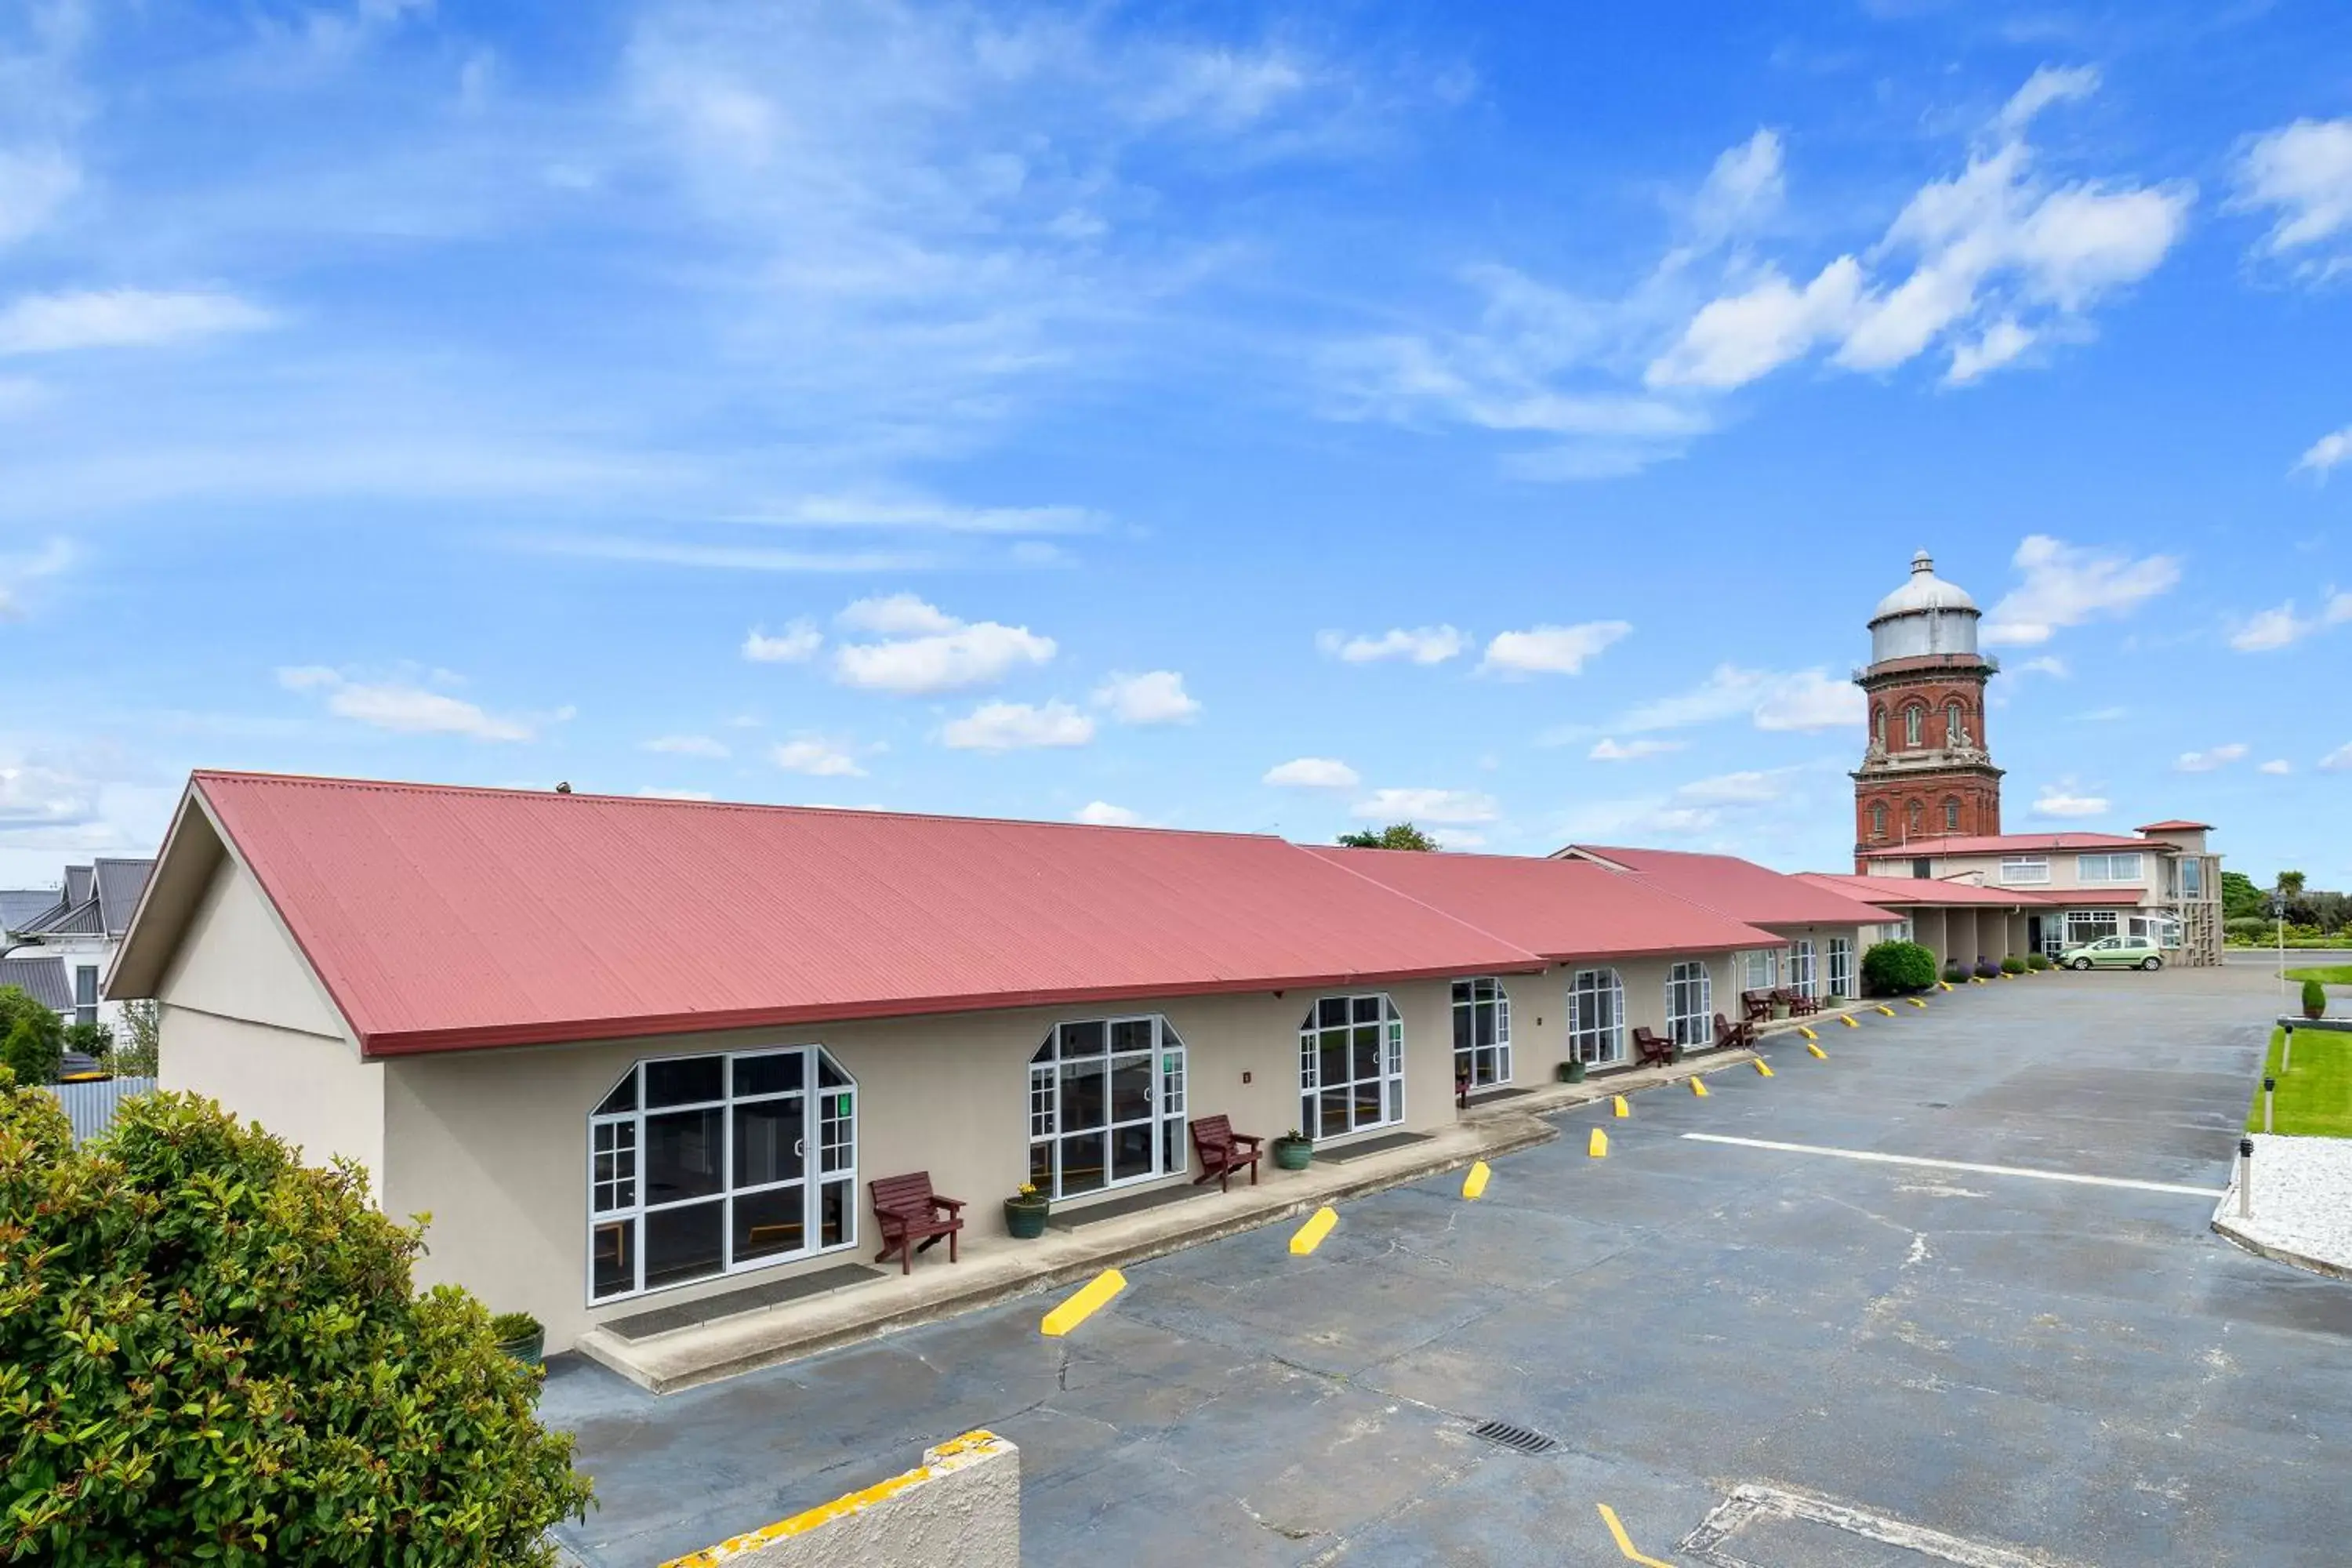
<point x="1521" y="1439"/>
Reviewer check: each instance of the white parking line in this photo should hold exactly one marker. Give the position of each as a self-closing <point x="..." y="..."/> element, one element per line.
<point x="1749" y="1502"/>
<point x="1874" y="1157"/>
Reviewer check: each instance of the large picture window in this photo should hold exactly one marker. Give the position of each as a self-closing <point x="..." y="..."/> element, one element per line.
<point x="1596" y="1017"/>
<point x="2030" y="871"/>
<point x="1802" y="978"/>
<point x="1106" y="1106"/>
<point x="2108" y="867"/>
<point x="701" y="1166"/>
<point x="1351" y="1065"/>
<point x="1690" y="1005"/>
<point x="1841" y="967"/>
<point x="1482" y="1034"/>
<point x="1759" y="969"/>
<point x="2089" y="925"/>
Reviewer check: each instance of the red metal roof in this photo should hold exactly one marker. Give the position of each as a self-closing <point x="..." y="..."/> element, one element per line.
<point x="1561" y="909"/>
<point x="2181" y="827"/>
<point x="1741" y="889"/>
<point x="2004" y="844"/>
<point x="443" y="917"/>
<point x="1908" y="892"/>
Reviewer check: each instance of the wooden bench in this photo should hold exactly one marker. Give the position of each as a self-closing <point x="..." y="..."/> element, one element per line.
<point x="1728" y="1034"/>
<point x="1223" y="1151"/>
<point x="1654" y="1050"/>
<point x="1798" y="1005"/>
<point x="1757" y="1007"/>
<point x="909" y="1212"/>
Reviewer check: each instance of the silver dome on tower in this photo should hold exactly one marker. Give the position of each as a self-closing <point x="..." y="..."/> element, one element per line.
<point x="1926" y="615"/>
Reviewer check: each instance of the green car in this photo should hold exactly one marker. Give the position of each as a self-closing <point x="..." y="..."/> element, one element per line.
<point x="2115" y="952"/>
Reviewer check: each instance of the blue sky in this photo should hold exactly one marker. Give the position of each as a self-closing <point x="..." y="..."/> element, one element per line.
<point x="1209" y="416"/>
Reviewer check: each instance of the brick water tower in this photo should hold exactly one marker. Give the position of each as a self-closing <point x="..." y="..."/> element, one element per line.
<point x="1926" y="774"/>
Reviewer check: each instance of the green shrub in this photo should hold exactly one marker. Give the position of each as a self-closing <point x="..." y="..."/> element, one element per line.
<point x="2314" y="998"/>
<point x="2037" y="961"/>
<point x="32" y="1037"/>
<point x="508" y="1327"/>
<point x="2253" y="928"/>
<point x="1956" y="972"/>
<point x="2013" y="964"/>
<point x="91" y="1040"/>
<point x="1898" y="969"/>
<point x="210" y="1354"/>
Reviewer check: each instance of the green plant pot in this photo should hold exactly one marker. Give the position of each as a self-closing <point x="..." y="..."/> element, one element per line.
<point x="1293" y="1154"/>
<point x="1571" y="1072"/>
<point x="531" y="1349"/>
<point x="1026" y="1220"/>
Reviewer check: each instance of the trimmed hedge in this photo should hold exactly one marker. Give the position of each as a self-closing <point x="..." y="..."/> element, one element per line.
<point x="2013" y="964"/>
<point x="210" y="1354"/>
<point x="2037" y="961"/>
<point x="1896" y="969"/>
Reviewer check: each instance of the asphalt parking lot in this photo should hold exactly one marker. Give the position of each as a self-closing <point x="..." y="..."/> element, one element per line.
<point x="1772" y="1357"/>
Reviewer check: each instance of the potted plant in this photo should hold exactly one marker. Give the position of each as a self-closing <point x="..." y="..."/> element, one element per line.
<point x="2315" y="999"/>
<point x="1293" y="1150"/>
<point x="521" y="1335"/>
<point x="1571" y="1072"/>
<point x="1025" y="1211"/>
<point x="2013" y="964"/>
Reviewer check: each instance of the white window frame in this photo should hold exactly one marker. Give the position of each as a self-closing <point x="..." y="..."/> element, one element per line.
<point x="2121" y="866"/>
<point x="2024" y="871"/>
<point x="2192" y="878"/>
<point x="1471" y="998"/>
<point x="2087" y="926"/>
<point x="1803" y="975"/>
<point x="1878" y="820"/>
<point x="86" y="982"/>
<point x="1759" y="969"/>
<point x="1596" y="1017"/>
<point x="1915" y="726"/>
<point x="1951" y="814"/>
<point x="2162" y="930"/>
<point x="1359" y="1010"/>
<point x="1840" y="967"/>
<point x="1690" y="1005"/>
<point x="828" y="1151"/>
<point x="1050" y="1070"/>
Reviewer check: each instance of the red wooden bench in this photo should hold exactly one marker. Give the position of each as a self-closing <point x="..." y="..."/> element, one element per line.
<point x="1223" y="1151"/>
<point x="1757" y="1006"/>
<point x="1655" y="1050"/>
<point x="909" y="1212"/>
<point x="1798" y="1003"/>
<point x="1727" y="1033"/>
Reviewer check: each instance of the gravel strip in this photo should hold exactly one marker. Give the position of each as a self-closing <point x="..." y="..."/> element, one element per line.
<point x="2303" y="1202"/>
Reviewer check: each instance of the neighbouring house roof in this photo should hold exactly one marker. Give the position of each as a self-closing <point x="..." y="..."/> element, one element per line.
<point x="67" y="919"/>
<point x="79" y="880"/>
<point x="2007" y="844"/>
<point x="2181" y="827"/>
<point x="19" y="906"/>
<point x="1560" y="909"/>
<point x="97" y="901"/>
<point x="120" y="883"/>
<point x="1912" y="892"/>
<point x="44" y="979"/>
<point x="1730" y="886"/>
<point x="441" y="918"/>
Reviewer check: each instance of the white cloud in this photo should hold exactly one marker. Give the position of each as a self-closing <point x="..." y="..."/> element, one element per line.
<point x="1746" y="185"/>
<point x="2327" y="452"/>
<point x="2276" y="766"/>
<point x="654" y="791"/>
<point x="1156" y="697"/>
<point x="939" y="653"/>
<point x="1458" y="839"/>
<point x="1608" y="751"/>
<point x="2277" y="627"/>
<point x="1805" y="699"/>
<point x="896" y="615"/>
<point x="1551" y="650"/>
<point x="2064" y="799"/>
<point x="33" y="184"/>
<point x="2338" y="760"/>
<point x="687" y="746"/>
<point x="2048" y="664"/>
<point x="1442" y="806"/>
<point x="121" y="318"/>
<point x="817" y="758"/>
<point x="1999" y="260"/>
<point x="2302" y="173"/>
<point x="1313" y="773"/>
<point x="923" y="513"/>
<point x="1748" y="787"/>
<point x="1421" y="644"/>
<point x="405" y="707"/>
<point x="1017" y="726"/>
<point x="1102" y="813"/>
<point x="797" y="644"/>
<point x="35" y="795"/>
<point x="2208" y="761"/>
<point x="2065" y="585"/>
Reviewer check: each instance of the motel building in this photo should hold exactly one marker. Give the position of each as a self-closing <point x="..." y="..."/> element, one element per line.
<point x="631" y="1053"/>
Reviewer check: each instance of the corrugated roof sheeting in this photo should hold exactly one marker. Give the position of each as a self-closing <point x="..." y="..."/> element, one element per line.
<point x="443" y="917"/>
<point x="120" y="883"/>
<point x="43" y="979"/>
<point x="1912" y="891"/>
<point x="1741" y="889"/>
<point x="2004" y="844"/>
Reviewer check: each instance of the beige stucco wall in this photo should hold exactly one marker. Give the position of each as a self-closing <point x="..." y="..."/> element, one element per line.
<point x="243" y="1020"/>
<point x="493" y="1143"/>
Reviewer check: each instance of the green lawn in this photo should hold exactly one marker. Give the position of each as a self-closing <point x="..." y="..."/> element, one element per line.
<point x="2315" y="1098"/>
<point x="2332" y="974"/>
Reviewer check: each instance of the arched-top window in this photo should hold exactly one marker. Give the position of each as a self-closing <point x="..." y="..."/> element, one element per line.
<point x="699" y="1166"/>
<point x="1915" y="725"/>
<point x="1482" y="1034"/>
<point x="1955" y="730"/>
<point x="1106" y="1105"/>
<point x="1878" y="723"/>
<point x="1596" y="1017"/>
<point x="1878" y="819"/>
<point x="1951" y="814"/>
<point x="1351" y="1065"/>
<point x="1690" y="1005"/>
<point x="1918" y="815"/>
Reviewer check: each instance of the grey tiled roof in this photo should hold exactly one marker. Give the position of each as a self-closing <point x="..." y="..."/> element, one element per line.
<point x="120" y="883"/>
<point x="68" y="919"/>
<point x="79" y="880"/>
<point x="43" y="978"/>
<point x="21" y="906"/>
